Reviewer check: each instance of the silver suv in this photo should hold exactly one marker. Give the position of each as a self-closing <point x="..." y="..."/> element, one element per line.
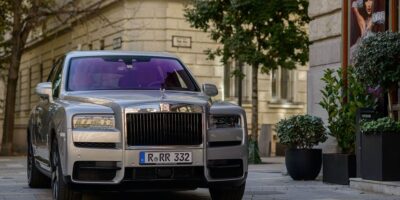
<point x="133" y="121"/>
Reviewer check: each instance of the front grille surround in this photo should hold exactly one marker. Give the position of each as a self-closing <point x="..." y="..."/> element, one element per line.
<point x="164" y="128"/>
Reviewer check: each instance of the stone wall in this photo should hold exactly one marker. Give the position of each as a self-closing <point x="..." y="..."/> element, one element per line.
<point x="325" y="52"/>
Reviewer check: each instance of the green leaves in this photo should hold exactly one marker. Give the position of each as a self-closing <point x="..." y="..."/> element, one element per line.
<point x="342" y="115"/>
<point x="270" y="33"/>
<point x="301" y="131"/>
<point x="381" y="125"/>
<point x="377" y="60"/>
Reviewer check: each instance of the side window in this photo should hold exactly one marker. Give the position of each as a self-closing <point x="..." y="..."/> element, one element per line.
<point x="55" y="77"/>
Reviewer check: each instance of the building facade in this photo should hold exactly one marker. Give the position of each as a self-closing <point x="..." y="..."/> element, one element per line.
<point x="325" y="52"/>
<point x="335" y="32"/>
<point x="151" y="25"/>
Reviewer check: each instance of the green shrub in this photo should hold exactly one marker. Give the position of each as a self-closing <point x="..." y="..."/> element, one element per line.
<point x="377" y="60"/>
<point x="342" y="115"/>
<point x="381" y="125"/>
<point x="301" y="131"/>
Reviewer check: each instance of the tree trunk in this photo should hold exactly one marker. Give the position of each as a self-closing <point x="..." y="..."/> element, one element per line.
<point x="20" y="34"/>
<point x="254" y="102"/>
<point x="254" y="156"/>
<point x="8" y="128"/>
<point x="240" y="85"/>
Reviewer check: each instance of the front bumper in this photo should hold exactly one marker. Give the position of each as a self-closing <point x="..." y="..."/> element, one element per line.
<point x="210" y="160"/>
<point x="151" y="185"/>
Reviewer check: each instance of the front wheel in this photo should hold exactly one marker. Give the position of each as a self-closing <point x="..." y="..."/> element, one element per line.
<point x="234" y="193"/>
<point x="35" y="178"/>
<point x="60" y="189"/>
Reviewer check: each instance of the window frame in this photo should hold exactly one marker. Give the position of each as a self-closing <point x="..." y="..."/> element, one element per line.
<point x="57" y="69"/>
<point x="277" y="98"/>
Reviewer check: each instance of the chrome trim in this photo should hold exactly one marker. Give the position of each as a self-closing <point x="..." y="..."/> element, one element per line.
<point x="162" y="107"/>
<point x="156" y="107"/>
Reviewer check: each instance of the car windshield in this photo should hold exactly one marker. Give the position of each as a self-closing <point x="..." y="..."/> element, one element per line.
<point x="128" y="73"/>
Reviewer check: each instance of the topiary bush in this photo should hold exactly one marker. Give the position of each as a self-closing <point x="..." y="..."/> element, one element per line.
<point x="377" y="60"/>
<point x="377" y="63"/>
<point x="301" y="131"/>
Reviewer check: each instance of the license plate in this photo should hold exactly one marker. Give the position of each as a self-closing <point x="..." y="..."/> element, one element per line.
<point x="159" y="158"/>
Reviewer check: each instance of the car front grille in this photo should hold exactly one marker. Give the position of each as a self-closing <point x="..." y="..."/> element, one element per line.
<point x="144" y="129"/>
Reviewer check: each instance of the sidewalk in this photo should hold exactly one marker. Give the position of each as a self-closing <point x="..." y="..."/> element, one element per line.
<point x="265" y="182"/>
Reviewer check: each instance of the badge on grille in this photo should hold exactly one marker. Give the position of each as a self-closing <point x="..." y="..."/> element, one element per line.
<point x="165" y="107"/>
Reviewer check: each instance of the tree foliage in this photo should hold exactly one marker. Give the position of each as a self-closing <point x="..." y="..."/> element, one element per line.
<point x="270" y="33"/>
<point x="18" y="18"/>
<point x="263" y="34"/>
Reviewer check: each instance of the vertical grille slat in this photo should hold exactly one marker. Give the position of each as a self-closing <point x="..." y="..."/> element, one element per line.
<point x="164" y="129"/>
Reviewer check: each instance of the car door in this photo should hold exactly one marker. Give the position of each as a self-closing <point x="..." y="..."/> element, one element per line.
<point x="43" y="113"/>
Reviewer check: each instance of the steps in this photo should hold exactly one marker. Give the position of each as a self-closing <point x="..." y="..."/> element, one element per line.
<point x="384" y="187"/>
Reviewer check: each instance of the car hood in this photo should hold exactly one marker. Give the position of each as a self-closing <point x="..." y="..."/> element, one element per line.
<point x="126" y="98"/>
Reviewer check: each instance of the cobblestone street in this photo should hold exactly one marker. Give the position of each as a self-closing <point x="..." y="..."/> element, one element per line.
<point x="264" y="182"/>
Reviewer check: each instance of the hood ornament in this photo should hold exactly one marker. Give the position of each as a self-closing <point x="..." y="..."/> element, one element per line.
<point x="162" y="92"/>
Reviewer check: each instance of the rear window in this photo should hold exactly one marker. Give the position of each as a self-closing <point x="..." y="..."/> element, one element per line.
<point x="128" y="73"/>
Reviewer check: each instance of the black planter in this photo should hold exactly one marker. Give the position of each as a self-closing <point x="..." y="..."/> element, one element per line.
<point x="338" y="168"/>
<point x="380" y="159"/>
<point x="303" y="164"/>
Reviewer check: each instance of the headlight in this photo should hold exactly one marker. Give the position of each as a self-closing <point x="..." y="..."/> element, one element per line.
<point x="225" y="121"/>
<point x="93" y="121"/>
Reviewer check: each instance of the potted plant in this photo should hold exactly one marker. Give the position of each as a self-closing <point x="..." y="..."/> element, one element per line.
<point x="377" y="63"/>
<point x="380" y="152"/>
<point x="339" y="167"/>
<point x="300" y="133"/>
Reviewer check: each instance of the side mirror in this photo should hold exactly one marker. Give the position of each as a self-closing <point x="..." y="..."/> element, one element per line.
<point x="44" y="90"/>
<point x="210" y="90"/>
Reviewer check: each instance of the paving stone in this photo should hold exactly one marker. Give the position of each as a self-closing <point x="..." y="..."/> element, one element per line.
<point x="265" y="182"/>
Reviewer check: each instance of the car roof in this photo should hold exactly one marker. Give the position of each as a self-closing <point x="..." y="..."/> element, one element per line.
<point x="119" y="53"/>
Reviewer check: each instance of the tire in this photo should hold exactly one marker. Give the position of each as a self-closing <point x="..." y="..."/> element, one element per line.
<point x="36" y="179"/>
<point x="60" y="189"/>
<point x="235" y="193"/>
